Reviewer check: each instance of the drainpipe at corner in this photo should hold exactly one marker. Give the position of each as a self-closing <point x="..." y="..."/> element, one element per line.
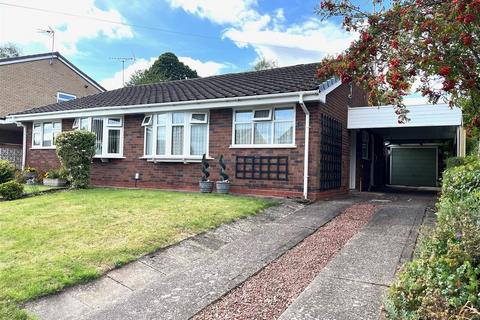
<point x="24" y="151"/>
<point x="307" y="143"/>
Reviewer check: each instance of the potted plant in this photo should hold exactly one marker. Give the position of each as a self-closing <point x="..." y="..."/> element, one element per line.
<point x="223" y="186"/>
<point x="30" y="174"/>
<point x="55" y="178"/>
<point x="206" y="186"/>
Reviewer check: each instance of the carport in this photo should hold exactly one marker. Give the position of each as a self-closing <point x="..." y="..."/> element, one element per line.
<point x="384" y="152"/>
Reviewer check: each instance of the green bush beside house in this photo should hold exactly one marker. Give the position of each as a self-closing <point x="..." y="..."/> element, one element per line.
<point x="442" y="282"/>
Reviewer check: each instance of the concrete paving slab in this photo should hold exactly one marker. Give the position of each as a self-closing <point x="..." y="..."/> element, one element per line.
<point x="60" y="306"/>
<point x="100" y="293"/>
<point x="341" y="299"/>
<point x="135" y="275"/>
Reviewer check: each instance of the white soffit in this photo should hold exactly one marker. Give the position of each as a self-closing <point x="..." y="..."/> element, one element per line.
<point x="420" y="116"/>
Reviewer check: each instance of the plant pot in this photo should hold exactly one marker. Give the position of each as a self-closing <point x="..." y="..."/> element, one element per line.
<point x="29" y="175"/>
<point x="223" y="187"/>
<point x="206" y="186"/>
<point x="54" y="182"/>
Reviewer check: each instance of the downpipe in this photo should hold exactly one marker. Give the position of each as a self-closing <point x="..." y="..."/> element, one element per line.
<point x="307" y="144"/>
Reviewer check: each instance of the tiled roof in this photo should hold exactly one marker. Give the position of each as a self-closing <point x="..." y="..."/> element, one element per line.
<point x="274" y="81"/>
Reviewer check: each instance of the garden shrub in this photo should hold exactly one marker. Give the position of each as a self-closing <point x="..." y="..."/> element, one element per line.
<point x="7" y="171"/>
<point x="443" y="281"/>
<point x="453" y="162"/>
<point x="75" y="150"/>
<point x="460" y="181"/>
<point x="11" y="190"/>
<point x="56" y="174"/>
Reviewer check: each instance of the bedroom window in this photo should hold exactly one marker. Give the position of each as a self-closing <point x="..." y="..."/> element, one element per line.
<point x="108" y="134"/>
<point x="44" y="134"/>
<point x="264" y="127"/>
<point x="176" y="135"/>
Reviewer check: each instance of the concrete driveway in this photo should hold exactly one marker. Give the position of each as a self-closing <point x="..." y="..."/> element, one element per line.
<point x="178" y="282"/>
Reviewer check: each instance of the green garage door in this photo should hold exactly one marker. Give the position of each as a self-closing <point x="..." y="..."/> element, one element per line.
<point x="414" y="167"/>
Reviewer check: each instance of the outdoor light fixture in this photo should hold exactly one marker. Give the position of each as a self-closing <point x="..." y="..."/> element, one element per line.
<point x="136" y="178"/>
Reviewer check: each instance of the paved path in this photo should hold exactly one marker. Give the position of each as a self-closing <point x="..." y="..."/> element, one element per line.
<point x="178" y="282"/>
<point x="352" y="285"/>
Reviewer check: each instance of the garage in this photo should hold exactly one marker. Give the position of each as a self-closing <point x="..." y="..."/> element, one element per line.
<point x="413" y="166"/>
<point x="385" y="153"/>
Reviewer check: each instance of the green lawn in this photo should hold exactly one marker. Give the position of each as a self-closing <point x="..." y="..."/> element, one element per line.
<point x="65" y="238"/>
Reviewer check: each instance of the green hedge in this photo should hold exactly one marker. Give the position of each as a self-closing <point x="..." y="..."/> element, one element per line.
<point x="442" y="282"/>
<point x="11" y="190"/>
<point x="7" y="171"/>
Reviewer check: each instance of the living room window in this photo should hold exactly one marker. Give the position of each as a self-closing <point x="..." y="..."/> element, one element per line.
<point x="108" y="134"/>
<point x="264" y="127"/>
<point x="44" y="134"/>
<point x="176" y="135"/>
<point x="62" y="96"/>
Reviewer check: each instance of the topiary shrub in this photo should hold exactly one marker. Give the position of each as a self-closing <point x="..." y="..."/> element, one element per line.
<point x="75" y="150"/>
<point x="7" y="171"/>
<point x="11" y="190"/>
<point x="459" y="182"/>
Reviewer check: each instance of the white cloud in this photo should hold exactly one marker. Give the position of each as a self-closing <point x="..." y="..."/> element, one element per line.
<point x="269" y="34"/>
<point x="21" y="25"/>
<point x="204" y="69"/>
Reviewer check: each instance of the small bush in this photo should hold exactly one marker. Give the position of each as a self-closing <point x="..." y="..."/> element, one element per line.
<point x="75" y="150"/>
<point x="56" y="174"/>
<point x="7" y="171"/>
<point x="453" y="162"/>
<point x="459" y="182"/>
<point x="11" y="190"/>
<point x="443" y="282"/>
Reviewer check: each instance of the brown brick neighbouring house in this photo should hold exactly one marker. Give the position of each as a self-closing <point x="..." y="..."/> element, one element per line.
<point x="34" y="80"/>
<point x="257" y="120"/>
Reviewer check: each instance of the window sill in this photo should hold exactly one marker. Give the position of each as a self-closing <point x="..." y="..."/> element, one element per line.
<point x="109" y="157"/>
<point x="43" y="148"/>
<point x="262" y="146"/>
<point x="188" y="159"/>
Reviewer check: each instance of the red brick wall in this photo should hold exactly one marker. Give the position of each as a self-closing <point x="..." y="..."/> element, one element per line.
<point x="120" y="172"/>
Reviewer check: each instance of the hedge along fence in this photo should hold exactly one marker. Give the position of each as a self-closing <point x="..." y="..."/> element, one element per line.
<point x="75" y="150"/>
<point x="442" y="282"/>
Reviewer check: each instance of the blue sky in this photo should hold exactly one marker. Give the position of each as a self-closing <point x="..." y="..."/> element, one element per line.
<point x="213" y="37"/>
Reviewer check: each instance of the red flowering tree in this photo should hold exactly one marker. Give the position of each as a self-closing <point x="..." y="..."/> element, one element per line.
<point x="433" y="43"/>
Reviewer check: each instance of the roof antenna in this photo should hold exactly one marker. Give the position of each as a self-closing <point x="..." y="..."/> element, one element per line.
<point x="122" y="59"/>
<point x="50" y="32"/>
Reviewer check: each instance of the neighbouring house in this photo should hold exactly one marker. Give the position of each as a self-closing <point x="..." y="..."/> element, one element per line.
<point x="34" y="80"/>
<point x="283" y="132"/>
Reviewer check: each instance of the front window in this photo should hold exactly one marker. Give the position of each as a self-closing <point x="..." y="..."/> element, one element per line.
<point x="62" y="96"/>
<point x="258" y="127"/>
<point x="45" y="133"/>
<point x="176" y="134"/>
<point x="108" y="134"/>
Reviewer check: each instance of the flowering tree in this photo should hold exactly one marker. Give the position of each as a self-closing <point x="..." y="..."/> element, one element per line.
<point x="432" y="43"/>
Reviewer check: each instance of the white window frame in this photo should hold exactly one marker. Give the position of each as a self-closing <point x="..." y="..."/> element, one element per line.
<point x="168" y="156"/>
<point x="272" y="120"/>
<point x="106" y="129"/>
<point x="42" y="123"/>
<point x="149" y="122"/>
<point x="267" y="118"/>
<point x="66" y="94"/>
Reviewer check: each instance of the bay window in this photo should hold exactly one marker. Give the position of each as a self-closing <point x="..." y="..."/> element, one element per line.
<point x="108" y="134"/>
<point x="177" y="135"/>
<point x="44" y="134"/>
<point x="264" y="127"/>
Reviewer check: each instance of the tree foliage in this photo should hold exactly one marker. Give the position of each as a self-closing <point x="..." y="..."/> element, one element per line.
<point x="433" y="42"/>
<point x="166" y="68"/>
<point x="75" y="150"/>
<point x="265" y="64"/>
<point x="9" y="50"/>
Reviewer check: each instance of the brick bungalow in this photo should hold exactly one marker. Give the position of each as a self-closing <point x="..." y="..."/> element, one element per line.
<point x="255" y="119"/>
<point x="34" y="80"/>
<point x="282" y="132"/>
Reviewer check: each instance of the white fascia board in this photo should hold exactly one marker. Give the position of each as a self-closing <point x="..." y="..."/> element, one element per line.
<point x="54" y="56"/>
<point x="420" y="116"/>
<point x="272" y="99"/>
<point x="324" y="93"/>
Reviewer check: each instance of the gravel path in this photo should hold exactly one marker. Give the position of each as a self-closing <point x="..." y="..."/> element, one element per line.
<point x="268" y="293"/>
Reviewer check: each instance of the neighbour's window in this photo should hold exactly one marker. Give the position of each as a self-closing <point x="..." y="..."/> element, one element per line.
<point x="365" y="145"/>
<point x="61" y="96"/>
<point x="108" y="134"/>
<point x="258" y="127"/>
<point x="176" y="134"/>
<point x="45" y="133"/>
